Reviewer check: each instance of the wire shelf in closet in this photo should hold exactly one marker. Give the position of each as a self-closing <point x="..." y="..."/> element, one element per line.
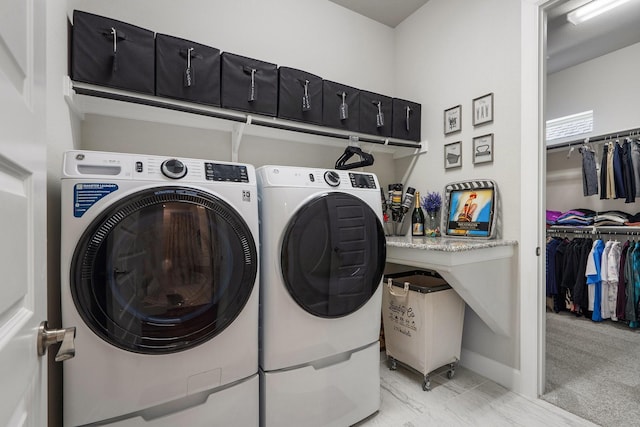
<point x="635" y="132"/>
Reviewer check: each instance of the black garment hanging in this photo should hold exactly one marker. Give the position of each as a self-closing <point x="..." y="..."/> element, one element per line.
<point x="366" y="159"/>
<point x="603" y="173"/>
<point x="628" y="173"/>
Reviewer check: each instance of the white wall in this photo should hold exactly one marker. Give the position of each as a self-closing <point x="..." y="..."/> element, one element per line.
<point x="608" y="85"/>
<point x="448" y="53"/>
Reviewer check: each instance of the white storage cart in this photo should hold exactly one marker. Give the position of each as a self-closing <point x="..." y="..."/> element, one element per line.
<point x="422" y="318"/>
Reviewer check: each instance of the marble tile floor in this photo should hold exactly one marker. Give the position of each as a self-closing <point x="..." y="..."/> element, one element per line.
<point x="467" y="399"/>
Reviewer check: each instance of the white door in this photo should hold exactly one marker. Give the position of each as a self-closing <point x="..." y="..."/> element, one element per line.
<point x="23" y="287"/>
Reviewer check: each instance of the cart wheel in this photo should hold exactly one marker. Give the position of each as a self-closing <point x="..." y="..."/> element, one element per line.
<point x="426" y="385"/>
<point x="451" y="373"/>
<point x="392" y="364"/>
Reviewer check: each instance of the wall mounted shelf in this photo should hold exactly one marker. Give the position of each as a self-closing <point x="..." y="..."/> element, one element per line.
<point x="85" y="98"/>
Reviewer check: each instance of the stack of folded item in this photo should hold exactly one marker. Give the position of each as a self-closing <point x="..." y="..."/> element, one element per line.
<point x="576" y="217"/>
<point x="614" y="218"/>
<point x="633" y="220"/>
<point x="552" y="216"/>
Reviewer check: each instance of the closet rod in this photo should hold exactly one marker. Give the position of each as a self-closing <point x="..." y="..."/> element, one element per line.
<point x="594" y="230"/>
<point x="597" y="138"/>
<point x="236" y="118"/>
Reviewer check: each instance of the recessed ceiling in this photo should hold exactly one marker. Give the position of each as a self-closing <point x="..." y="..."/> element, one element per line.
<point x="569" y="44"/>
<point x="388" y="12"/>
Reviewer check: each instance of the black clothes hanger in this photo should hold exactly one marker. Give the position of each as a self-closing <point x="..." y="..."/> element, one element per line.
<point x="366" y="159"/>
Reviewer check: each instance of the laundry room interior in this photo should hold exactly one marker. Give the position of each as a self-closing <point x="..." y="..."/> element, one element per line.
<point x="445" y="56"/>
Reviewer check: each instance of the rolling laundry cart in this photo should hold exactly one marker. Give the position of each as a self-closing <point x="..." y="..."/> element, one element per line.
<point x="422" y="320"/>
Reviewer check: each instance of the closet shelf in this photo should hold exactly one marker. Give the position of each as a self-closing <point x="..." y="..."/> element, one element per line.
<point x="86" y="98"/>
<point x="622" y="230"/>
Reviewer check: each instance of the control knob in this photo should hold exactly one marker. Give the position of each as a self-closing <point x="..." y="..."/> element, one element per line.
<point x="173" y="168"/>
<point x="332" y="178"/>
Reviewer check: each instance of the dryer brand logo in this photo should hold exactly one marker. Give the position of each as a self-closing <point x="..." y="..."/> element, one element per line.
<point x="246" y="195"/>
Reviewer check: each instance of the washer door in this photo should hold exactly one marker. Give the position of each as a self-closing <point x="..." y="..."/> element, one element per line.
<point x="333" y="255"/>
<point x="163" y="270"/>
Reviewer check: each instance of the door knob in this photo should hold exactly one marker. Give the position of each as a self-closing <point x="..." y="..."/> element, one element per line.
<point x="48" y="337"/>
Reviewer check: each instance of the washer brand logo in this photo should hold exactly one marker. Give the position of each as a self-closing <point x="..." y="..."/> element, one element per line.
<point x="246" y="195"/>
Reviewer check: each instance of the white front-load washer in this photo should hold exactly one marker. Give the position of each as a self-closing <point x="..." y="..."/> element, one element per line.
<point x="159" y="260"/>
<point x="323" y="252"/>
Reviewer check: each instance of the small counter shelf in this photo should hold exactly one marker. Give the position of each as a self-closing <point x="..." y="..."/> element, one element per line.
<point x="480" y="271"/>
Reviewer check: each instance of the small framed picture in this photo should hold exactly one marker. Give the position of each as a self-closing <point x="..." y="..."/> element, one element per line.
<point x="483" y="149"/>
<point x="453" y="119"/>
<point x="483" y="110"/>
<point x="453" y="155"/>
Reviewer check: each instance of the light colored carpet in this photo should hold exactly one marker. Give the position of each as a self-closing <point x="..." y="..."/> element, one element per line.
<point x="593" y="369"/>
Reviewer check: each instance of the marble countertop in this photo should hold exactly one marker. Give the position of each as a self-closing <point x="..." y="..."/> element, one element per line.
<point x="445" y="244"/>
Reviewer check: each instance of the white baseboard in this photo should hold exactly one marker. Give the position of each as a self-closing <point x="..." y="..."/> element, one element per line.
<point x="504" y="375"/>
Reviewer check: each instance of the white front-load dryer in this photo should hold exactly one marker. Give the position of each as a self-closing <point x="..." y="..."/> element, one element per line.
<point x="323" y="252"/>
<point x="159" y="260"/>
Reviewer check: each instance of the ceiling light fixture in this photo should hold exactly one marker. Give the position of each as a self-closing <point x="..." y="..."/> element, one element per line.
<point x="592" y="9"/>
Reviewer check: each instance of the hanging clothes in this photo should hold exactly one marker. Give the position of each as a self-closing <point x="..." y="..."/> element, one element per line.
<point x="611" y="184"/>
<point x="589" y="173"/>
<point x="611" y="275"/>
<point x="604" y="283"/>
<point x="594" y="279"/>
<point x="603" y="172"/>
<point x="635" y="160"/>
<point x="628" y="172"/>
<point x="618" y="176"/>
<point x="630" y="278"/>
<point x="621" y="300"/>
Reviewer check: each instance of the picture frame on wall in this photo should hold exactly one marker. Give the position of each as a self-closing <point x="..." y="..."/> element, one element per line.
<point x="483" y="109"/>
<point x="453" y="119"/>
<point x="453" y="155"/>
<point x="483" y="149"/>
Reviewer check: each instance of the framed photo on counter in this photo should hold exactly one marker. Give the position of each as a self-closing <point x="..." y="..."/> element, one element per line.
<point x="483" y="109"/>
<point x="453" y="155"/>
<point x="453" y="119"/>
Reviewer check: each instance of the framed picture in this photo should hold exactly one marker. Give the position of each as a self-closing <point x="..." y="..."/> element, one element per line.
<point x="483" y="149"/>
<point x="483" y="109"/>
<point x="453" y="155"/>
<point x="453" y="119"/>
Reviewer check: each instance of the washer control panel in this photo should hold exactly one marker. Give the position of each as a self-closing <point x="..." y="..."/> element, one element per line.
<point x="362" y="180"/>
<point x="332" y="178"/>
<point x="173" y="168"/>
<point x="117" y="166"/>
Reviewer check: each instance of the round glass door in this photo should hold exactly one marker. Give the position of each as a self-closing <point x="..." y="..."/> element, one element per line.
<point x="163" y="270"/>
<point x="333" y="255"/>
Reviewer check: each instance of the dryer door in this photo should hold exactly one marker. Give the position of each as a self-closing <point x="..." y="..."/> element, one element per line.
<point x="164" y="270"/>
<point x="333" y="255"/>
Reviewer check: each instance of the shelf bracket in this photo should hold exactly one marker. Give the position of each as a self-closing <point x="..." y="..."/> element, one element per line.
<point x="236" y="137"/>
<point x="424" y="148"/>
<point x="71" y="98"/>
